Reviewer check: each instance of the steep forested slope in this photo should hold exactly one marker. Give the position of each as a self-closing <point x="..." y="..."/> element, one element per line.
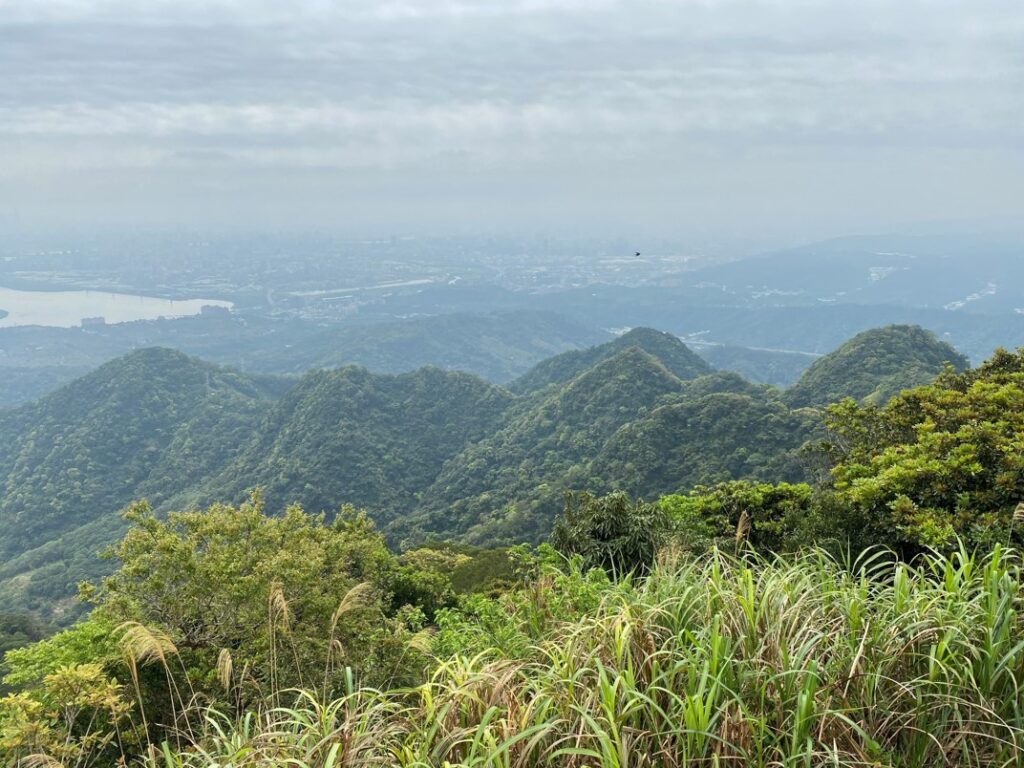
<point x="673" y="354"/>
<point x="147" y="424"/>
<point x="543" y="447"/>
<point x="154" y="420"/>
<point x="625" y="423"/>
<point x="351" y="436"/>
<point x="430" y="454"/>
<point x="709" y="439"/>
<point x="875" y="365"/>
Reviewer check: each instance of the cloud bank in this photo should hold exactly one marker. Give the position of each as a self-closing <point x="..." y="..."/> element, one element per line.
<point x="493" y="114"/>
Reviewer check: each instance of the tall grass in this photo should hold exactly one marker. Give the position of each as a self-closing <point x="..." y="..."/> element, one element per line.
<point x="721" y="661"/>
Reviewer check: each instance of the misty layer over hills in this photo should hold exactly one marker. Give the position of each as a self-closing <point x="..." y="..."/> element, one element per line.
<point x="497" y="307"/>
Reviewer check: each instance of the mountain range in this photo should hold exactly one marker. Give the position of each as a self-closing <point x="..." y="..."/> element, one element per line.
<point x="430" y="453"/>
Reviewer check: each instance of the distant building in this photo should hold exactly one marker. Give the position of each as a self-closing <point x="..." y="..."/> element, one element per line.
<point x="94" y="322"/>
<point x="212" y="310"/>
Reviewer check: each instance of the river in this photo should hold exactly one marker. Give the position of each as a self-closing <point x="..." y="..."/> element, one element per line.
<point x="66" y="309"/>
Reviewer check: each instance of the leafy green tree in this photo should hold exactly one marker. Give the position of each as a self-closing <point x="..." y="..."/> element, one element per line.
<point x="611" y="532"/>
<point x="77" y="717"/>
<point x="764" y="516"/>
<point x="92" y="641"/>
<point x="937" y="462"/>
<point x="283" y="601"/>
<point x="550" y="591"/>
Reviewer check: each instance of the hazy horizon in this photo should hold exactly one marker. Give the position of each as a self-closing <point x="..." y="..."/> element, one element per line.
<point x="791" y="120"/>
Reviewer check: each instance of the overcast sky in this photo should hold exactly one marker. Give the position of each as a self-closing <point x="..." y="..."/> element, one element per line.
<point x="584" y="116"/>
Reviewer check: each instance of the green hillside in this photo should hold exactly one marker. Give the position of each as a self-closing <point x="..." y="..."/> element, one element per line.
<point x="147" y="422"/>
<point x="672" y="353"/>
<point x="711" y="439"/>
<point x="143" y="425"/>
<point x="716" y="622"/>
<point x="430" y="454"/>
<point x="351" y="436"/>
<point x="627" y="422"/>
<point x="874" y="366"/>
<point x="543" y="447"/>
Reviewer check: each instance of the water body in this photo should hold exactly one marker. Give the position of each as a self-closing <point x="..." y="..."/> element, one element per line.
<point x="66" y="309"/>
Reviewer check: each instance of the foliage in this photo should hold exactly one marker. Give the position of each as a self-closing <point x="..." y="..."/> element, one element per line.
<point x="610" y="532"/>
<point x="353" y="436"/>
<point x="552" y="590"/>
<point x="17" y="629"/>
<point x="504" y="489"/>
<point x="874" y="366"/>
<point x="77" y="717"/>
<point x="563" y="368"/>
<point x="231" y="606"/>
<point x="769" y="518"/>
<point x="92" y="641"/>
<point x="143" y="424"/>
<point x="713" y="661"/>
<point x="430" y="454"/>
<point x="93" y="444"/>
<point x="323" y="596"/>
<point x="714" y="438"/>
<point x="157" y="424"/>
<point x="938" y="462"/>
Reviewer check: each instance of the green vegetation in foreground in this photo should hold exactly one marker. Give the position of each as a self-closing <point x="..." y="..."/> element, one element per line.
<point x="717" y="660"/>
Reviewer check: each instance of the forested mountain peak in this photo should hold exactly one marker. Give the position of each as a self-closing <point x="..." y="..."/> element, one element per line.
<point x="506" y="487"/>
<point x="632" y="375"/>
<point x="874" y="365"/>
<point x="146" y="424"/>
<point x="148" y="369"/>
<point x="673" y="354"/>
<point x="94" y="441"/>
<point x="352" y="436"/>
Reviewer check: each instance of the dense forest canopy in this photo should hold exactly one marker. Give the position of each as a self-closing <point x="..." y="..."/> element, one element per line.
<point x="672" y="353"/>
<point x="875" y="365"/>
<point x="430" y="454"/>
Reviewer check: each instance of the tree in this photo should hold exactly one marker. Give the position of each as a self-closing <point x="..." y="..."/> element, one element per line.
<point x="937" y="463"/>
<point x="611" y="532"/>
<point x="761" y="515"/>
<point x="283" y="601"/>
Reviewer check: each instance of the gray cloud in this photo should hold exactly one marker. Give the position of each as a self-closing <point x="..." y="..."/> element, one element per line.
<point x="771" y="112"/>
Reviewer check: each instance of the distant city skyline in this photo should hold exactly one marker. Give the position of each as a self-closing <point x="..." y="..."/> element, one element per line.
<point x="802" y="118"/>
